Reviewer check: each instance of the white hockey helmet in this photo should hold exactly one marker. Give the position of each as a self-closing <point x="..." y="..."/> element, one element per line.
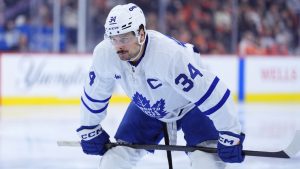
<point x="123" y="19"/>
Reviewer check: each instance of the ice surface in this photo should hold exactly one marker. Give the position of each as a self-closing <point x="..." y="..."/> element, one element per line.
<point x="28" y="136"/>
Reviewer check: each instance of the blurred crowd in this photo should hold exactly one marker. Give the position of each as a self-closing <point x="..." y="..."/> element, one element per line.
<point x="247" y="27"/>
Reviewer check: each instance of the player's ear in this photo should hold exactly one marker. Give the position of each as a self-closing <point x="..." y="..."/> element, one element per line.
<point x="141" y="33"/>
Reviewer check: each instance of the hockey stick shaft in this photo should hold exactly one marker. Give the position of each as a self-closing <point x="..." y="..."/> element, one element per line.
<point x="279" y="154"/>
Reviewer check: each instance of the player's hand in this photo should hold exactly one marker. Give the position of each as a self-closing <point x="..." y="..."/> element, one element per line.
<point x="230" y="146"/>
<point x="93" y="139"/>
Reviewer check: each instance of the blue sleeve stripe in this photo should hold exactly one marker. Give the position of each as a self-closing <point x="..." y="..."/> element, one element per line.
<point x="209" y="91"/>
<point x="94" y="111"/>
<point x="219" y="105"/>
<point x="94" y="100"/>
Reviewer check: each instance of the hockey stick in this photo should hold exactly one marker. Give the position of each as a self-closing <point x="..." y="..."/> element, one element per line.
<point x="289" y="152"/>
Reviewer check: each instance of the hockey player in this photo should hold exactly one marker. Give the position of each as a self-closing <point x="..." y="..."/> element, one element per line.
<point x="166" y="84"/>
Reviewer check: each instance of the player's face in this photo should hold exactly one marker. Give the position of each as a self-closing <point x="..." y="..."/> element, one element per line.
<point x="126" y="45"/>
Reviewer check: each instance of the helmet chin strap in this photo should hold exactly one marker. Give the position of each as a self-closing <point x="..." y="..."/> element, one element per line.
<point x="140" y="43"/>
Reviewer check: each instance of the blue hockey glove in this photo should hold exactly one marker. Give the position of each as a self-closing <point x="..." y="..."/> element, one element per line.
<point x="230" y="147"/>
<point x="93" y="139"/>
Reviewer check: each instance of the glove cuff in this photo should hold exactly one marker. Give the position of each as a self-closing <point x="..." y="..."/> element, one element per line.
<point x="230" y="139"/>
<point x="89" y="132"/>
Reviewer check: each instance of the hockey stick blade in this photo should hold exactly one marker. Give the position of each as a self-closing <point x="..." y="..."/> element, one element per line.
<point x="290" y="151"/>
<point x="294" y="147"/>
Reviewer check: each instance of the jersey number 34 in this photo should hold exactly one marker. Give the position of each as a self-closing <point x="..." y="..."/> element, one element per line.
<point x="187" y="81"/>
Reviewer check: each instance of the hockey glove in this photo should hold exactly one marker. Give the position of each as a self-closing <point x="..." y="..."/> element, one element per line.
<point x="93" y="139"/>
<point x="230" y="147"/>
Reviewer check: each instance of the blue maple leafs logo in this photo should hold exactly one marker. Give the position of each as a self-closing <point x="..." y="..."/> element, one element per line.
<point x="156" y="111"/>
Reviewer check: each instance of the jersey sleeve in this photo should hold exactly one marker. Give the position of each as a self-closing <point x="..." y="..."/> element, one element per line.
<point x="97" y="92"/>
<point x="205" y="90"/>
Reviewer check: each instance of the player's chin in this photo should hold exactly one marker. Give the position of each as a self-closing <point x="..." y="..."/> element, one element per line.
<point x="124" y="57"/>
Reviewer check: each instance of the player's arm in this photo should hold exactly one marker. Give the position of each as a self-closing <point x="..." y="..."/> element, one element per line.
<point x="213" y="98"/>
<point x="95" y="97"/>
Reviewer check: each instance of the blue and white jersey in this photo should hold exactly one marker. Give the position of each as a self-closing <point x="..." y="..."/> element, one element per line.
<point x="167" y="82"/>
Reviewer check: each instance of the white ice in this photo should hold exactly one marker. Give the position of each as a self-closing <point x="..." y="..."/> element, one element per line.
<point x="28" y="136"/>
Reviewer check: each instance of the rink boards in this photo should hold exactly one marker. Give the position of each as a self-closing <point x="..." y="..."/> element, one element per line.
<point x="45" y="79"/>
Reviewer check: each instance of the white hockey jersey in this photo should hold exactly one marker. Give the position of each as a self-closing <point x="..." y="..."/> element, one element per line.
<point x="167" y="82"/>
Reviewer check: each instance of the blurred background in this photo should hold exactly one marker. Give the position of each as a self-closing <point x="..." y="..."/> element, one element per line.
<point x="267" y="27"/>
<point x="46" y="50"/>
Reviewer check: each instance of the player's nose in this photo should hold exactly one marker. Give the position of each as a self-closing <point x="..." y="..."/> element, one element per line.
<point x="119" y="46"/>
